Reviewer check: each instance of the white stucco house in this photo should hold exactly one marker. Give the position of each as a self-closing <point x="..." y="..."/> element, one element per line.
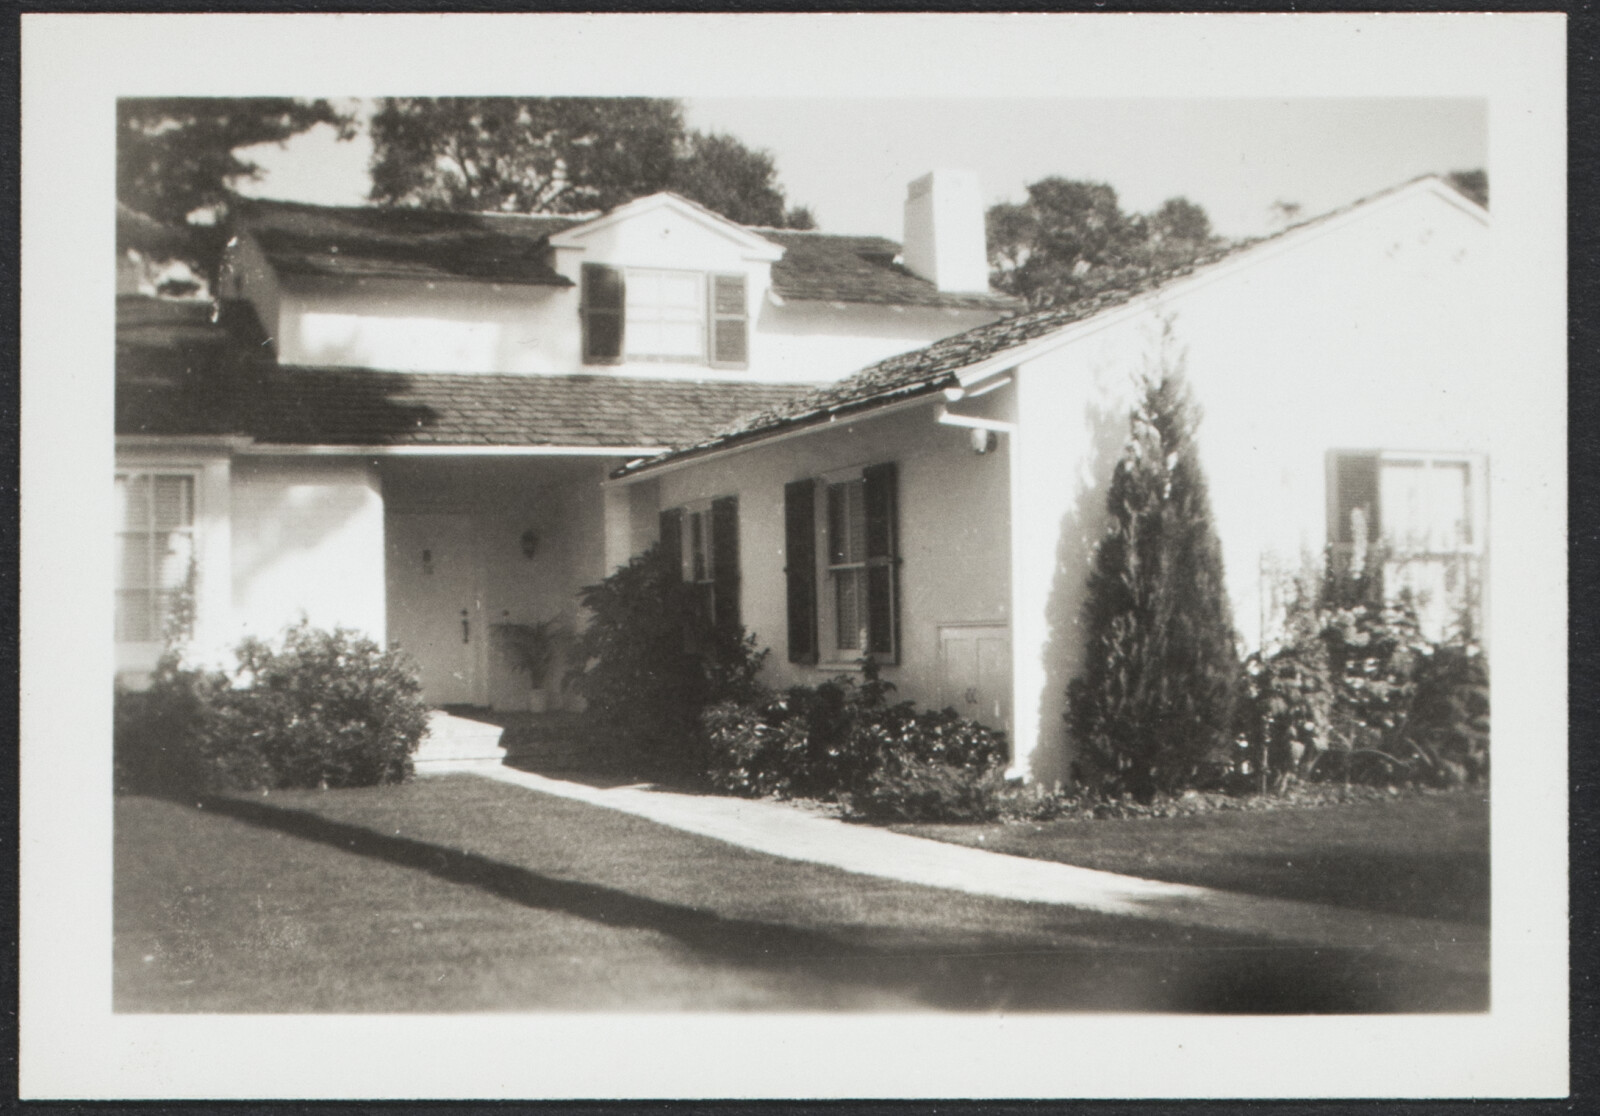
<point x="939" y="509"/>
<point x="421" y="425"/>
<point x="401" y="421"/>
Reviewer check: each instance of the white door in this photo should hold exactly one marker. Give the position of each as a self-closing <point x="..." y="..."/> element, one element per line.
<point x="975" y="672"/>
<point x="436" y="603"/>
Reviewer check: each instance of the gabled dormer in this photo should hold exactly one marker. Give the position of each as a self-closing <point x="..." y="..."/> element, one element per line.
<point x="664" y="281"/>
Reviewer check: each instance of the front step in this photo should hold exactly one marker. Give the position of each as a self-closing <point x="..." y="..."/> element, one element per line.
<point x="451" y="739"/>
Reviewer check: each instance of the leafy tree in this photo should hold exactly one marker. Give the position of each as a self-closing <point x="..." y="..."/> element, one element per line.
<point x="562" y="155"/>
<point x="724" y="175"/>
<point x="521" y="154"/>
<point x="1072" y="238"/>
<point x="1157" y="699"/>
<point x="176" y="155"/>
<point x="1180" y="219"/>
<point x="1473" y="183"/>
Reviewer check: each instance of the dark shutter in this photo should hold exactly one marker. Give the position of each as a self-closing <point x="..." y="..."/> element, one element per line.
<point x="800" y="569"/>
<point x="672" y="538"/>
<point x="883" y="568"/>
<point x="604" y="299"/>
<point x="1355" y="486"/>
<point x="730" y="335"/>
<point x="725" y="562"/>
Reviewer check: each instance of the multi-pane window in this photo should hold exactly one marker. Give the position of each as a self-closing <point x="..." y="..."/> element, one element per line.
<point x="847" y="562"/>
<point x="699" y="563"/>
<point x="155" y="519"/>
<point x="857" y="613"/>
<point x="1422" y="512"/>
<point x="648" y="314"/>
<point x="666" y="316"/>
<point x="705" y="538"/>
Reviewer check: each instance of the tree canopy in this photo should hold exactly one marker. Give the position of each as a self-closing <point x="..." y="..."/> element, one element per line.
<point x="563" y="155"/>
<point x="1071" y="238"/>
<point x="176" y="155"/>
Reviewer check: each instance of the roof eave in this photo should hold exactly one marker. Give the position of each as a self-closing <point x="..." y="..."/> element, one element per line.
<point x="287" y="266"/>
<point x="899" y="399"/>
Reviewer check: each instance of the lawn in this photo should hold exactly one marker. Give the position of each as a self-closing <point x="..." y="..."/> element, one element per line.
<point x="1426" y="856"/>
<point x="461" y="894"/>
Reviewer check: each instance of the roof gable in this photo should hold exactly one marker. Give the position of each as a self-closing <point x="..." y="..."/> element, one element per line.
<point x="748" y="242"/>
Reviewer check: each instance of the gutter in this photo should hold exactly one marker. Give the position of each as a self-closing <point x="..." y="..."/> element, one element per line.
<point x="810" y="424"/>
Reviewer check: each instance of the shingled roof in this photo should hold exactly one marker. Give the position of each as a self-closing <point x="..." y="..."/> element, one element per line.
<point x="822" y="267"/>
<point x="277" y="405"/>
<point x="368" y="241"/>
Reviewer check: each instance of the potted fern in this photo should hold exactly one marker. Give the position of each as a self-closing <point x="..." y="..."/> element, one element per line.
<point x="531" y="650"/>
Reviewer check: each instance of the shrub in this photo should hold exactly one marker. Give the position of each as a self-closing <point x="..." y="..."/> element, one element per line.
<point x="1449" y="717"/>
<point x="844" y="740"/>
<point x="906" y="789"/>
<point x="1356" y="681"/>
<point x="324" y="709"/>
<point x="649" y="666"/>
<point x="1289" y="695"/>
<point x="1155" y="709"/>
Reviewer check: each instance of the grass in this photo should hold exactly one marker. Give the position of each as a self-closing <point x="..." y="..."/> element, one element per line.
<point x="1425" y="856"/>
<point x="460" y="894"/>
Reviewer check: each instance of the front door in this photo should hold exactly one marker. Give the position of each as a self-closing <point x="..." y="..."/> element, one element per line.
<point x="436" y="603"/>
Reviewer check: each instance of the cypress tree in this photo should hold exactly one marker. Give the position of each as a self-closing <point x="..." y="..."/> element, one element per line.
<point x="1162" y="674"/>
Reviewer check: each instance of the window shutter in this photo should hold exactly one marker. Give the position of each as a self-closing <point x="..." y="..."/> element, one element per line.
<point x="883" y="567"/>
<point x="730" y="333"/>
<point x="1355" y="486"/>
<point x="603" y="300"/>
<point x="672" y="538"/>
<point x="800" y="572"/>
<point x="725" y="562"/>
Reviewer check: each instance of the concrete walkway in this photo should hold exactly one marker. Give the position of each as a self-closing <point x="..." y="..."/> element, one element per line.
<point x="784" y="831"/>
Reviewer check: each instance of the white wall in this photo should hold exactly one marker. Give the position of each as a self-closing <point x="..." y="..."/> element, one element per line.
<point x="810" y="341"/>
<point x="1370" y="334"/>
<point x="954" y="543"/>
<point x="307" y="538"/>
<point x="409" y="326"/>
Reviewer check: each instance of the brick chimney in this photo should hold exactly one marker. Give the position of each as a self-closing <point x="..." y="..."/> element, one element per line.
<point x="944" y="238"/>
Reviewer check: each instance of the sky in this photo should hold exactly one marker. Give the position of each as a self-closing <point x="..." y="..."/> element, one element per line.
<point x="849" y="160"/>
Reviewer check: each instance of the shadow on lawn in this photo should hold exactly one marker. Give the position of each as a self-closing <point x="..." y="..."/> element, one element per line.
<point x="1451" y="885"/>
<point x="1105" y="964"/>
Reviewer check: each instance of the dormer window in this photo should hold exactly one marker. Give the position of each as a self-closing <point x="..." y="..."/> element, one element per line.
<point x="653" y="314"/>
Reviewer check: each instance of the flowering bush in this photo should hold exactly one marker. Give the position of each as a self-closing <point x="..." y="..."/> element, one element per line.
<point x="322" y="709"/>
<point x="844" y="740"/>
<point x="1355" y="683"/>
